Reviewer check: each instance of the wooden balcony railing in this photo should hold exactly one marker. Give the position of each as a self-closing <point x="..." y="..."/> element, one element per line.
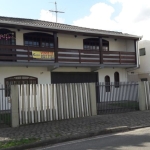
<point x="78" y="56"/>
<point x="114" y="57"/>
<point x="20" y="53"/>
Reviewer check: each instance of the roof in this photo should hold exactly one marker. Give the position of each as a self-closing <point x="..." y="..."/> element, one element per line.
<point x="58" y="26"/>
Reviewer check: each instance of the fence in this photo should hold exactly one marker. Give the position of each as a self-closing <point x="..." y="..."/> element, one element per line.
<point x="5" y="107"/>
<point x="47" y="102"/>
<point x="146" y="95"/>
<point x="117" y="97"/>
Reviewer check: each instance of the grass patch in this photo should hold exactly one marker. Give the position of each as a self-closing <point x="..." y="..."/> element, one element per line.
<point x="5" y="118"/>
<point x="127" y="104"/>
<point x="57" y="134"/>
<point x="14" y="143"/>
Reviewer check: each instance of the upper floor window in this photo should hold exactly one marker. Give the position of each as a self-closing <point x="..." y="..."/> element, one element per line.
<point x="116" y="79"/>
<point x="93" y="43"/>
<point x="39" y="40"/>
<point x="10" y="40"/>
<point x="142" y="52"/>
<point x="107" y="83"/>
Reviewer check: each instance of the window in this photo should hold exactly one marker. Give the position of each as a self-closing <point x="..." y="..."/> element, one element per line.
<point x="39" y="40"/>
<point x="107" y="83"/>
<point x="142" y="52"/>
<point x="144" y="79"/>
<point x="93" y="43"/>
<point x="18" y="80"/>
<point x="9" y="41"/>
<point x="116" y="79"/>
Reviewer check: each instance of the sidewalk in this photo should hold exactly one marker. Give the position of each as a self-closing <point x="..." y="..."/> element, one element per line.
<point x="59" y="131"/>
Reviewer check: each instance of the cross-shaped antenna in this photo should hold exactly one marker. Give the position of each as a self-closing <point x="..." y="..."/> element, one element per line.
<point x="56" y="11"/>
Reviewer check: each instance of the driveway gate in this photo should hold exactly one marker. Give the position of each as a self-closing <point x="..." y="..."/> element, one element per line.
<point x="117" y="97"/>
<point x="5" y="107"/>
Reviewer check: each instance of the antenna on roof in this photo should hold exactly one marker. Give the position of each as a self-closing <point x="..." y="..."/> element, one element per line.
<point x="56" y="11"/>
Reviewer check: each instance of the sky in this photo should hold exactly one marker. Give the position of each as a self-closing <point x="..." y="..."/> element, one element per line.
<point x="127" y="16"/>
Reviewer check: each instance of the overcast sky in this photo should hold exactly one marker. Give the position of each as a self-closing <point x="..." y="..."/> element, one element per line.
<point x="127" y="16"/>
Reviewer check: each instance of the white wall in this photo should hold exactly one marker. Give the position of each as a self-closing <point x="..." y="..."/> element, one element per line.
<point x="70" y="41"/>
<point x="101" y="72"/>
<point x="110" y="72"/>
<point x="41" y="73"/>
<point x="144" y="60"/>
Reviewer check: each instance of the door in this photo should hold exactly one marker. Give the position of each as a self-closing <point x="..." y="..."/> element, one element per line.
<point x="74" y="77"/>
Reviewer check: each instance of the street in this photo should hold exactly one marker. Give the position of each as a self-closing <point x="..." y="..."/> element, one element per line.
<point x="137" y="139"/>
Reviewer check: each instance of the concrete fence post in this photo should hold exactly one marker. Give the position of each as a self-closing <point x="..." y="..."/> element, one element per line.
<point x="15" y="106"/>
<point x="93" y="98"/>
<point x="142" y="96"/>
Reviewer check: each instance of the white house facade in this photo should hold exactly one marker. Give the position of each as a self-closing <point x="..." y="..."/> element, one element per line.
<point x="34" y="51"/>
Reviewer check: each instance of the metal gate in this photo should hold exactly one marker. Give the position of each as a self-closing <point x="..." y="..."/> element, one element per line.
<point x="5" y="107"/>
<point x="117" y="97"/>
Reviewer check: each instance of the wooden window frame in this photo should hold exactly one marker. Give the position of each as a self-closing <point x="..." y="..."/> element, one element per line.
<point x="20" y="79"/>
<point x="107" y="83"/>
<point x="93" y="43"/>
<point x="116" y="79"/>
<point x="39" y="37"/>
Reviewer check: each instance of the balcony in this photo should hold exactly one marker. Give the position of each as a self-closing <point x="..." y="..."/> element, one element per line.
<point x="18" y="54"/>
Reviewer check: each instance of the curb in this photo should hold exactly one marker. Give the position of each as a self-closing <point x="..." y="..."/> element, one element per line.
<point x="74" y="137"/>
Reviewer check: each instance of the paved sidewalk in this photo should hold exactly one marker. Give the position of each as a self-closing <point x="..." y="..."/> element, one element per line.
<point x="57" y="131"/>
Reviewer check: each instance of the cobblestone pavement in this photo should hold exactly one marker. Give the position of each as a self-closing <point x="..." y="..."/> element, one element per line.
<point x="71" y="127"/>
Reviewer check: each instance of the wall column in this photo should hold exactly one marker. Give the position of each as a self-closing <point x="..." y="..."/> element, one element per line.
<point x="93" y="99"/>
<point x="142" y="96"/>
<point x="14" y="106"/>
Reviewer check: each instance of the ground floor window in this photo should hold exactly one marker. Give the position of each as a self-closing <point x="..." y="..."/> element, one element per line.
<point x="14" y="80"/>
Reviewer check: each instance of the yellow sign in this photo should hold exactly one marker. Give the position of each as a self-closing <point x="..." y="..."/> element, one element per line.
<point x="43" y="55"/>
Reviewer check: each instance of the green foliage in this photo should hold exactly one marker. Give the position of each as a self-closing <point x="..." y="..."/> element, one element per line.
<point x="13" y="143"/>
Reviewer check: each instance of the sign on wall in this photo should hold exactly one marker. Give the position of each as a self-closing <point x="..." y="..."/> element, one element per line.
<point x="42" y="55"/>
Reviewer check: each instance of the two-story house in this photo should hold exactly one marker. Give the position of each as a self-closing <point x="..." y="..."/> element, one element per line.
<point x="34" y="51"/>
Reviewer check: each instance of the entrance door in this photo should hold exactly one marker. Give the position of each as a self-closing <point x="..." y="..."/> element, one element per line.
<point x="74" y="77"/>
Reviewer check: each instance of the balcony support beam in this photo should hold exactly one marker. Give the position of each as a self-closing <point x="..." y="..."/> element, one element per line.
<point x="101" y="50"/>
<point x="55" y="47"/>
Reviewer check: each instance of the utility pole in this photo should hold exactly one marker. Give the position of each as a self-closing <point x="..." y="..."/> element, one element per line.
<point x="56" y="11"/>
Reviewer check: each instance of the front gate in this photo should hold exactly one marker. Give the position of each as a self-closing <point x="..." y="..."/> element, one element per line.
<point x="117" y="97"/>
<point x="5" y="107"/>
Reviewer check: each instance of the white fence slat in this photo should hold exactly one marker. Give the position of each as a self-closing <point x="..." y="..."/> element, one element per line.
<point x="20" y="104"/>
<point x="72" y="104"/>
<point x="61" y="100"/>
<point x="26" y="104"/>
<point x="81" y="96"/>
<point x="55" y="101"/>
<point x="38" y="102"/>
<point x="76" y="91"/>
<point x="48" y="103"/>
<point x="31" y="101"/>
<point x="66" y="94"/>
<point x="86" y="99"/>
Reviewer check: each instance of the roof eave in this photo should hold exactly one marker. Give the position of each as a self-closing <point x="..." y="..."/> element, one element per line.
<point x="74" y="31"/>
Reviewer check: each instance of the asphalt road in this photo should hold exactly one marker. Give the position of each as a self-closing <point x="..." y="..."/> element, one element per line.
<point x="135" y="140"/>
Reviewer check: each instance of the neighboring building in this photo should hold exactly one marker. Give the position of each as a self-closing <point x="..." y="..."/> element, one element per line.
<point x="47" y="52"/>
<point x="143" y="72"/>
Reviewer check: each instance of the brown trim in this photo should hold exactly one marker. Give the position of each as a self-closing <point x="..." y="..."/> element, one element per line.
<point x="55" y="46"/>
<point x="135" y="51"/>
<point x="100" y="50"/>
